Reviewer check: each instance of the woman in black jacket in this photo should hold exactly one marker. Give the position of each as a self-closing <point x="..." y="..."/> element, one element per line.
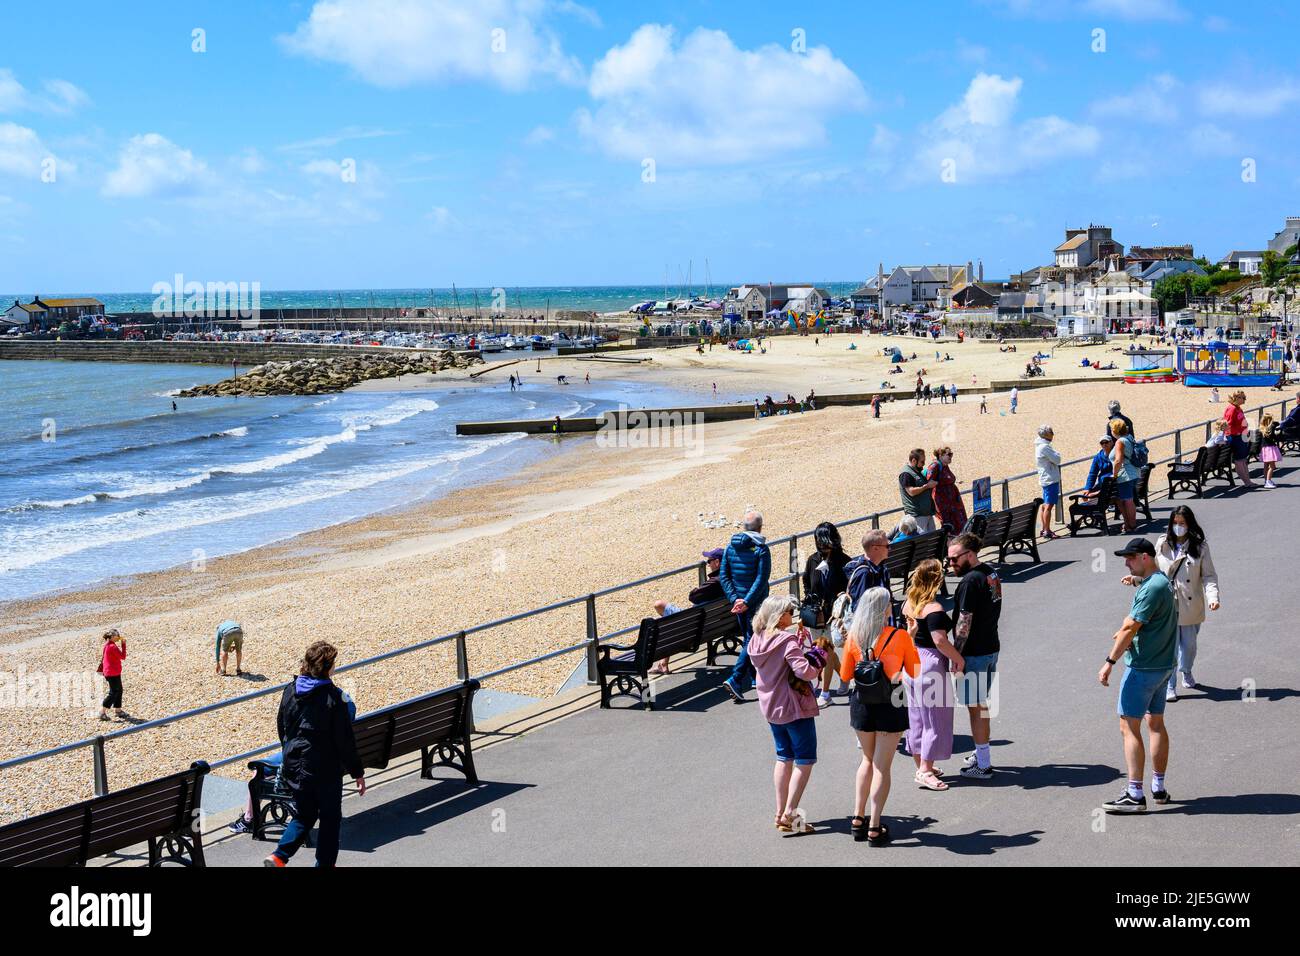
<point x="316" y="736"/>
<point x="823" y="581"/>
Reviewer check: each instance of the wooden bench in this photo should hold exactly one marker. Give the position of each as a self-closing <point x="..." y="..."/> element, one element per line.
<point x="1210" y="461"/>
<point x="1141" y="494"/>
<point x="722" y="633"/>
<point x="904" y="556"/>
<point x="629" y="672"/>
<point x="1014" y="531"/>
<point x="1288" y="439"/>
<point x="163" y="812"/>
<point x="1091" y="512"/>
<point x="438" y="725"/>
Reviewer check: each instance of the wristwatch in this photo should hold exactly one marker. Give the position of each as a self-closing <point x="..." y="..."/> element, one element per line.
<point x="1110" y="662"/>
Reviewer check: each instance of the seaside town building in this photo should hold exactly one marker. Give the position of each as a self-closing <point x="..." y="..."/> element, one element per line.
<point x="1287" y="236"/>
<point x="44" y="313"/>
<point x="1247" y="263"/>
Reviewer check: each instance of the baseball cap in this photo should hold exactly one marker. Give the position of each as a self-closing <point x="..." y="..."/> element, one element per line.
<point x="714" y="555"/>
<point x="1137" y="546"/>
<point x="1105" y="438"/>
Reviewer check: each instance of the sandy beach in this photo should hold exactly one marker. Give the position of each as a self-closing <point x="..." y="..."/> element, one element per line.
<point x="586" y="518"/>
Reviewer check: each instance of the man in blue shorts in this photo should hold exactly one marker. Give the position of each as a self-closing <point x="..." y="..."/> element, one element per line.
<point x="1148" y="640"/>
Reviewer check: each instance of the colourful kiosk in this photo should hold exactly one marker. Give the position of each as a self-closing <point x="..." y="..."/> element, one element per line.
<point x="1221" y="363"/>
<point x="1150" y="365"/>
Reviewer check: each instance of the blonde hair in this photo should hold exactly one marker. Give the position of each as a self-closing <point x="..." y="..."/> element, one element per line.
<point x="1266" y="422"/>
<point x="1237" y="398"/>
<point x="869" y="619"/>
<point x="770" y="611"/>
<point x="1220" y="425"/>
<point x="1118" y="428"/>
<point x="927" y="579"/>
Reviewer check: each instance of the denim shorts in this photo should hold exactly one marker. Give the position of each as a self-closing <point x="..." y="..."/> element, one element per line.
<point x="975" y="682"/>
<point x="1125" y="490"/>
<point x="796" y="741"/>
<point x="1052" y="493"/>
<point x="1143" y="692"/>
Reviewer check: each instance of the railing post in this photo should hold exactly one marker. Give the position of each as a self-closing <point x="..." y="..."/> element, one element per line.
<point x="703" y="571"/>
<point x="593" y="641"/>
<point x="1178" y="445"/>
<point x="101" y="767"/>
<point x="1208" y="426"/>
<point x="875" y="522"/>
<point x="1006" y="494"/>
<point x="794" y="564"/>
<point x="462" y="658"/>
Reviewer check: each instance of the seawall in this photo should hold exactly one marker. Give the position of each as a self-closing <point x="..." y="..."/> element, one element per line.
<point x="200" y="353"/>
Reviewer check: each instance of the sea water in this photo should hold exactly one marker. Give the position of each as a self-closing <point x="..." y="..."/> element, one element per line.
<point x="99" y="477"/>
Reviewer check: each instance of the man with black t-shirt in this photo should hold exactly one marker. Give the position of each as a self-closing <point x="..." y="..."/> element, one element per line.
<point x="977" y="606"/>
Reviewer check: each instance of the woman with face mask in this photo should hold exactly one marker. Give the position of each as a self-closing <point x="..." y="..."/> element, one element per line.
<point x="1184" y="556"/>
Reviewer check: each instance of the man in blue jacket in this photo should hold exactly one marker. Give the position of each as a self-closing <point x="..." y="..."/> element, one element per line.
<point x="746" y="568"/>
<point x="1101" y="467"/>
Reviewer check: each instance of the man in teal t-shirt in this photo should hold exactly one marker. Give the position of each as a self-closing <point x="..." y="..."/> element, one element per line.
<point x="1148" y="640"/>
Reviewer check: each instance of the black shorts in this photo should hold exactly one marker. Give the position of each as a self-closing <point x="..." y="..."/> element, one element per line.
<point x="876" y="718"/>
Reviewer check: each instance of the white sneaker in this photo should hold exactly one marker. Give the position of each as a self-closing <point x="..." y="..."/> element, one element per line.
<point x="1188" y="680"/>
<point x="824" y="700"/>
<point x="969" y="762"/>
<point x="1269" y="484"/>
<point x="1170" y="695"/>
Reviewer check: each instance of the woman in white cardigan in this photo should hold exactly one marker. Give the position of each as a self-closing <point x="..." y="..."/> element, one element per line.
<point x="1184" y="557"/>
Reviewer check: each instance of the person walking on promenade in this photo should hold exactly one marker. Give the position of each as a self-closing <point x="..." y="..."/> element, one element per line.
<point x="744" y="573"/>
<point x="823" y="581"/>
<point x="976" y="608"/>
<point x="1235" y="428"/>
<point x="948" y="505"/>
<point x="230" y="637"/>
<point x="1048" y="462"/>
<point x="1126" y="474"/>
<point x="1115" y="413"/>
<point x="785" y="665"/>
<point x="868" y="569"/>
<point x="1269" y="452"/>
<point x="878" y="723"/>
<point x="1015" y="398"/>
<point x="929" y="696"/>
<point x="1184" y="558"/>
<point x="319" y="747"/>
<point x="1148" y="640"/>
<point x="915" y="491"/>
<point x="111" y="657"/>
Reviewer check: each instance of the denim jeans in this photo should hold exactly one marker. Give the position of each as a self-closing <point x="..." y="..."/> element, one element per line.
<point x="317" y="803"/>
<point x="742" y="675"/>
<point x="1186" y="650"/>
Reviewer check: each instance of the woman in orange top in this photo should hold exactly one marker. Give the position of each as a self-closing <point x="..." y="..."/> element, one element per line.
<point x="878" y="726"/>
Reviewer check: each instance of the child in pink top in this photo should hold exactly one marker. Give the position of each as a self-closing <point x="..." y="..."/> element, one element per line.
<point x="779" y="651"/>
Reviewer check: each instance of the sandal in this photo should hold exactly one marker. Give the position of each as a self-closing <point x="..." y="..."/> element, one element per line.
<point x="937" y="785"/>
<point x="881" y="837"/>
<point x="858" y="827"/>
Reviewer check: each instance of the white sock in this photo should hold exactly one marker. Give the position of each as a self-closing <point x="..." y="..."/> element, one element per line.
<point x="1135" y="789"/>
<point x="982" y="757"/>
<point x="1157" y="781"/>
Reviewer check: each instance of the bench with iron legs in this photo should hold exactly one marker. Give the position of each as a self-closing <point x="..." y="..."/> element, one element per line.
<point x="1014" y="531"/>
<point x="1141" y="494"/>
<point x="905" y="556"/>
<point x="1288" y="439"/>
<point x="1210" y="462"/>
<point x="1090" y="512"/>
<point x="163" y="813"/>
<point x="438" y="725"/>
<point x="624" y="669"/>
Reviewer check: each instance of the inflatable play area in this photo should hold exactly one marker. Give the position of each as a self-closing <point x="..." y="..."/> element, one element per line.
<point x="1230" y="363"/>
<point x="1150" y="365"/>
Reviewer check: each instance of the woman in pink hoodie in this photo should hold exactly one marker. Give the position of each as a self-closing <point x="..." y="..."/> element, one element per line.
<point x="785" y="663"/>
<point x="110" y="665"/>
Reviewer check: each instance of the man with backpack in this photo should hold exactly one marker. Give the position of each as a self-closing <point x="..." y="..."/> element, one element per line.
<point x="744" y="573"/>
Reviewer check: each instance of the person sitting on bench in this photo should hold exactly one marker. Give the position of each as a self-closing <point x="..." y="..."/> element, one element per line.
<point x="1101" y="467"/>
<point x="709" y="591"/>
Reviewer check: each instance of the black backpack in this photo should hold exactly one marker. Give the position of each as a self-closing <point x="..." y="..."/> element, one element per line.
<point x="870" y="682"/>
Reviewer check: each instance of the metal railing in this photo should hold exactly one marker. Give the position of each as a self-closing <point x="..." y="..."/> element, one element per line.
<point x="593" y="639"/>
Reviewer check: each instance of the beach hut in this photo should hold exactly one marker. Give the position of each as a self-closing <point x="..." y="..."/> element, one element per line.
<point x="1080" y="323"/>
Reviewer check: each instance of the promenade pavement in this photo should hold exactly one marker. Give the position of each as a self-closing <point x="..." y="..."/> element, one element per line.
<point x="691" y="782"/>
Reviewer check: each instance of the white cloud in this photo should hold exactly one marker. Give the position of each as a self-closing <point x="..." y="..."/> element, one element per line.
<point x="152" y="165"/>
<point x="1256" y="99"/>
<point x="60" y="96"/>
<point x="539" y="135"/>
<point x="1155" y="101"/>
<point x="1167" y="10"/>
<point x="1210" y="140"/>
<point x="333" y="139"/>
<point x="441" y="218"/>
<point x="396" y="43"/>
<point x="322" y="168"/>
<point x="979" y="139"/>
<point x="706" y="101"/>
<point x="22" y="153"/>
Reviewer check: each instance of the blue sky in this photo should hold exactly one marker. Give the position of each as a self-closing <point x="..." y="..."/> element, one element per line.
<point x="788" y="141"/>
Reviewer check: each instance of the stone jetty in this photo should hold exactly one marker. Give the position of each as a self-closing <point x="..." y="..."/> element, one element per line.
<point x="324" y="375"/>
